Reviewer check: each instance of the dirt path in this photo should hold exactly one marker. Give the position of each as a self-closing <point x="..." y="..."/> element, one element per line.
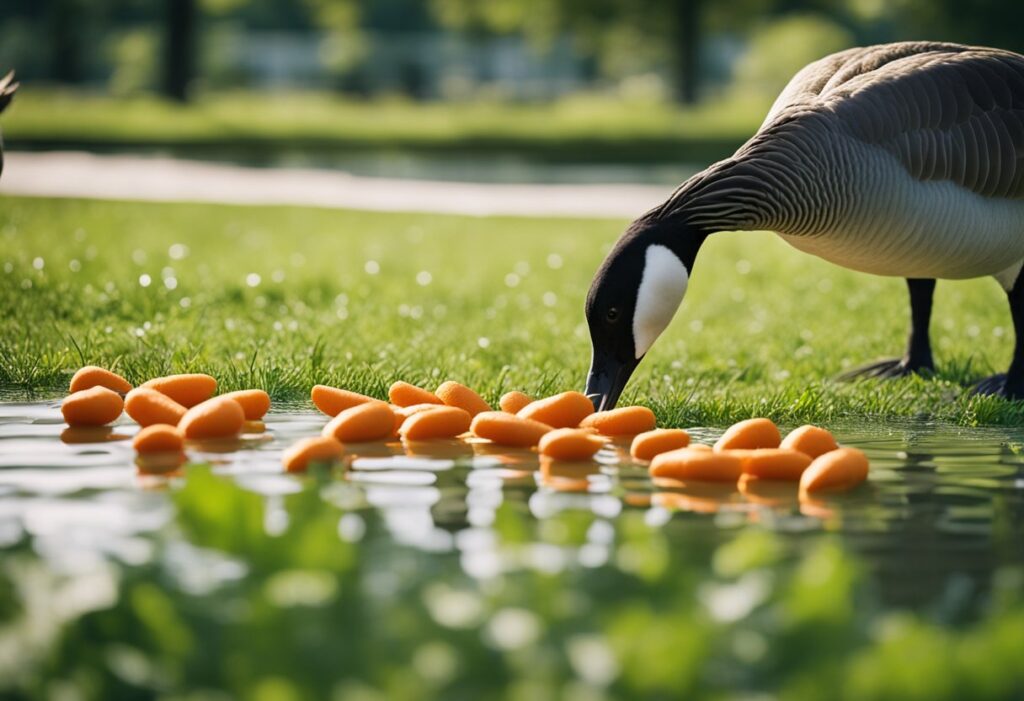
<point x="72" y="174"/>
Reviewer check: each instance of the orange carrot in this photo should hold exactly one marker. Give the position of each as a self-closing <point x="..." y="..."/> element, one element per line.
<point x="513" y="402"/>
<point x="688" y="464"/>
<point x="461" y="396"/>
<point x="569" y="444"/>
<point x="219" y="417"/>
<point x="147" y="407"/>
<point x="624" y="421"/>
<point x="661" y="440"/>
<point x="362" y="423"/>
<point x="318" y="449"/>
<point x="507" y="429"/>
<point x="440" y="422"/>
<point x="254" y="402"/>
<point x="332" y="401"/>
<point x="752" y="433"/>
<point x="92" y="376"/>
<point x="187" y="390"/>
<point x="836" y="470"/>
<point x="95" y="406"/>
<point x="158" y="438"/>
<point x="774" y="463"/>
<point x="810" y="440"/>
<point x="405" y="394"/>
<point x="565" y="410"/>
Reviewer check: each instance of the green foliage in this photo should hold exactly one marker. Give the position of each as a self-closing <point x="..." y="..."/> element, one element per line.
<point x="781" y="47"/>
<point x="281" y="298"/>
<point x="133" y="55"/>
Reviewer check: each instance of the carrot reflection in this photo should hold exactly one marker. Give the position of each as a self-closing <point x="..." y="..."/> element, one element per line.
<point x="566" y="476"/>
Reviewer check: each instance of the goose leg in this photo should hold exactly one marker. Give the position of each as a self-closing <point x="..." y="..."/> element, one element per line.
<point x="1011" y="383"/>
<point x="918" y="357"/>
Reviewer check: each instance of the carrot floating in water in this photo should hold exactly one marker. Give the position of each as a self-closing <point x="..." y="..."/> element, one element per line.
<point x="688" y="464"/>
<point x="159" y="463"/>
<point x="254" y="402"/>
<point x="318" y="449"/>
<point x="95" y="406"/>
<point x="94" y="376"/>
<point x="810" y="440"/>
<point x="514" y="401"/>
<point x="158" y="438"/>
<point x="624" y="421"/>
<point x="362" y="423"/>
<point x="774" y="463"/>
<point x="146" y="406"/>
<point x="332" y="401"/>
<point x="461" y="396"/>
<point x="836" y="470"/>
<point x="506" y="429"/>
<point x="219" y="417"/>
<point x="749" y="434"/>
<point x="569" y="444"/>
<point x="661" y="440"/>
<point x="405" y="394"/>
<point x="565" y="410"/>
<point x="188" y="389"/>
<point x="439" y="422"/>
<point x="404" y="412"/>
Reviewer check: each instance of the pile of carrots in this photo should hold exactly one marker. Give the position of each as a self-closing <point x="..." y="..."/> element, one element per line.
<point x="563" y="427"/>
<point x="169" y="409"/>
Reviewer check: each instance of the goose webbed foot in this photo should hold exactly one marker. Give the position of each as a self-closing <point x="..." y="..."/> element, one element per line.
<point x="886" y="370"/>
<point x="998" y="386"/>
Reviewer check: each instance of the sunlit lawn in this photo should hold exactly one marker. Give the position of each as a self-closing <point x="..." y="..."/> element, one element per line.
<point x="475" y="582"/>
<point x="579" y="128"/>
<point x="283" y="298"/>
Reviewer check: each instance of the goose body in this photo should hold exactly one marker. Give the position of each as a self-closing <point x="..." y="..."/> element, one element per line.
<point x="901" y="159"/>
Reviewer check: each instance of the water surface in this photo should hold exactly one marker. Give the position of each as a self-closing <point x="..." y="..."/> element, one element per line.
<point x="469" y="555"/>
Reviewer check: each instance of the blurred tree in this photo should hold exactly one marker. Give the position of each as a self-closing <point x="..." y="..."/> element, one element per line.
<point x="986" y="22"/>
<point x="64" y="18"/>
<point x="625" y="36"/>
<point x="179" y="48"/>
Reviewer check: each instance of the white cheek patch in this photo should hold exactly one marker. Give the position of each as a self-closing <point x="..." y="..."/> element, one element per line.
<point x="662" y="287"/>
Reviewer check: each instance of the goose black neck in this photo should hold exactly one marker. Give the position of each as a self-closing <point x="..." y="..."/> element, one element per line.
<point x="674" y="231"/>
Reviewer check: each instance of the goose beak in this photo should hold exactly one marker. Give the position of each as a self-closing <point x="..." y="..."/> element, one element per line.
<point x="608" y="377"/>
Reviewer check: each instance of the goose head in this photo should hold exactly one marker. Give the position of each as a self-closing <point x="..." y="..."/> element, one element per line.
<point x="633" y="297"/>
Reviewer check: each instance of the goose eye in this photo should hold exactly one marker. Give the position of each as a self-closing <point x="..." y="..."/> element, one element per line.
<point x="612" y="315"/>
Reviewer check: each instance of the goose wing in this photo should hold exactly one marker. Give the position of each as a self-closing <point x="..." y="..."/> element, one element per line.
<point x="833" y="70"/>
<point x="946" y="112"/>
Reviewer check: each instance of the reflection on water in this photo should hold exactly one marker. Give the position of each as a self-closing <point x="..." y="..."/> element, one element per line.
<point x="449" y="521"/>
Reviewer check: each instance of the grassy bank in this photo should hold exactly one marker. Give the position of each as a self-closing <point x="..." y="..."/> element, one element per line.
<point x="283" y="298"/>
<point x="583" y="128"/>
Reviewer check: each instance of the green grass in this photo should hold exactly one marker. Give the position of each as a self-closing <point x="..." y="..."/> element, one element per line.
<point x="762" y="330"/>
<point x="582" y="128"/>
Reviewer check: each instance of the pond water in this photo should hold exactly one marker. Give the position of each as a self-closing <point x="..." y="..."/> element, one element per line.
<point x="459" y="570"/>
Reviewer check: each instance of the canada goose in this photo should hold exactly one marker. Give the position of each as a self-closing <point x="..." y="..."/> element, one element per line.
<point x="7" y="90"/>
<point x="901" y="159"/>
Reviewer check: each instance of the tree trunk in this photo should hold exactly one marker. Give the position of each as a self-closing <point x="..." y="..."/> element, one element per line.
<point x="179" y="48"/>
<point x="687" y="49"/>
<point x="65" y="22"/>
